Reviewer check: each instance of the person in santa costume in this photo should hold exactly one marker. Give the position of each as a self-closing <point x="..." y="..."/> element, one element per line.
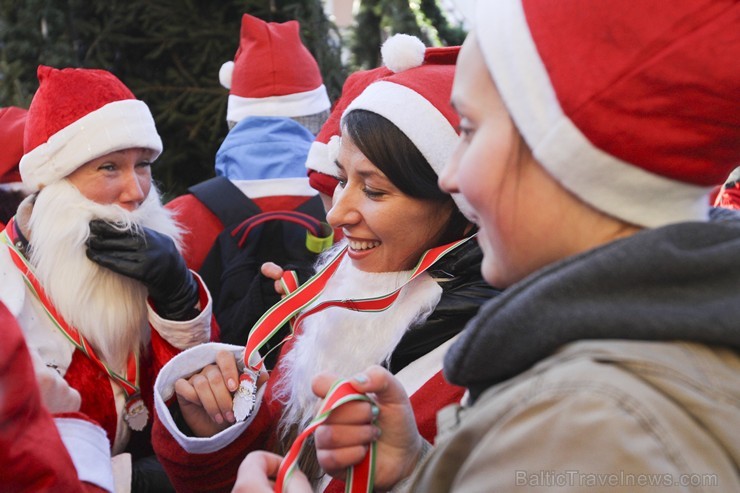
<point x="613" y="356"/>
<point x="12" y="190"/>
<point x="40" y="451"/>
<point x="391" y="211"/>
<point x="90" y="263"/>
<point x="277" y="103"/>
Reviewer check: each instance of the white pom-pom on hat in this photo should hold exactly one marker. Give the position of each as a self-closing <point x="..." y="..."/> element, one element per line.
<point x="402" y="52"/>
<point x="225" y="73"/>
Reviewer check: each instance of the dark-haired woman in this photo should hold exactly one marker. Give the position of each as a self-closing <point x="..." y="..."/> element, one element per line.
<point x="391" y="211"/>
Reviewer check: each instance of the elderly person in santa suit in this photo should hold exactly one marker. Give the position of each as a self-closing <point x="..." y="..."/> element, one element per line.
<point x="613" y="356"/>
<point x="391" y="211"/>
<point x="90" y="265"/>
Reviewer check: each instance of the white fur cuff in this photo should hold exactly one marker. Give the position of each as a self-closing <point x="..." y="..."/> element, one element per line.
<point x="89" y="448"/>
<point x="181" y="366"/>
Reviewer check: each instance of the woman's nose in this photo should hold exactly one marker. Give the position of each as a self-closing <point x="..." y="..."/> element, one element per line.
<point x="343" y="211"/>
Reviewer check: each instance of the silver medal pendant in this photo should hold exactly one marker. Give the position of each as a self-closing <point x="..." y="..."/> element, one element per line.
<point x="136" y="414"/>
<point x="245" y="396"/>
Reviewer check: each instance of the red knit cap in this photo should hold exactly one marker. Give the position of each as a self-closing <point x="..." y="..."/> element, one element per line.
<point x="632" y="106"/>
<point x="78" y="115"/>
<point x="12" y="122"/>
<point x="273" y="73"/>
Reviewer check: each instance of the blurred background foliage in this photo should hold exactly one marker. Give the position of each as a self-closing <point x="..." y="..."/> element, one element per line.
<point x="169" y="53"/>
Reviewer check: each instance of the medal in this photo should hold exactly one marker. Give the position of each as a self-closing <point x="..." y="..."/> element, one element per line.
<point x="245" y="396"/>
<point x="136" y="414"/>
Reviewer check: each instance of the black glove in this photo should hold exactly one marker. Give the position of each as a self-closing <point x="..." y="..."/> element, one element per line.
<point x="152" y="259"/>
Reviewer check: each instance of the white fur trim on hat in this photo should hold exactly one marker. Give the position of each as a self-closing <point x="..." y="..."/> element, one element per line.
<point x="289" y="105"/>
<point x="407" y="109"/>
<point x="119" y="125"/>
<point x="600" y="179"/>
<point x="321" y="156"/>
<point x="414" y="115"/>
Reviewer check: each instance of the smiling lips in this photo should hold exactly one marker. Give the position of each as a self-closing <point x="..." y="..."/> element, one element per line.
<point x="363" y="245"/>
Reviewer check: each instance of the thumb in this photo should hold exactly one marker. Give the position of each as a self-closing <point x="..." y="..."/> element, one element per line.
<point x="379" y="381"/>
<point x="375" y="379"/>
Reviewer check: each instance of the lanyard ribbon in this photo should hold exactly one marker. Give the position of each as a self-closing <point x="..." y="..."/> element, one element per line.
<point x="360" y="477"/>
<point x="298" y="298"/>
<point x="130" y="387"/>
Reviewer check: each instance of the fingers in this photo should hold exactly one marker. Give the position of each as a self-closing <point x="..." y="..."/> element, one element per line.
<point x="336" y="461"/>
<point x="208" y="389"/>
<point x="339" y="436"/>
<point x="103" y="230"/>
<point x="121" y="262"/>
<point x="258" y="471"/>
<point x="272" y="270"/>
<point x="226" y="362"/>
<point x="374" y="380"/>
<point x="343" y="439"/>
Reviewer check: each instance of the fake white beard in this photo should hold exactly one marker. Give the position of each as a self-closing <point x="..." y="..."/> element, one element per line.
<point x="346" y="342"/>
<point x="107" y="308"/>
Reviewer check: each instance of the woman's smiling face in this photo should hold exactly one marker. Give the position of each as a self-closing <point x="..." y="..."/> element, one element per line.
<point x="387" y="230"/>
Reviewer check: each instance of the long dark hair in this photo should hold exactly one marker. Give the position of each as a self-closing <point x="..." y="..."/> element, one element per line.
<point x="388" y="148"/>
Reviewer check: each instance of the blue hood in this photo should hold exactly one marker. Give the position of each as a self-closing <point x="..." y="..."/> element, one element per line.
<point x="259" y="148"/>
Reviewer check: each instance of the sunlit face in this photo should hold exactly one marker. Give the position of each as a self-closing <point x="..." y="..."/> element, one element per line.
<point x="386" y="229"/>
<point x="514" y="200"/>
<point x="122" y="178"/>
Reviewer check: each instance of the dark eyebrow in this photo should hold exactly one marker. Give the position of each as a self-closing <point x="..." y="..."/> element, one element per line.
<point x="364" y="174"/>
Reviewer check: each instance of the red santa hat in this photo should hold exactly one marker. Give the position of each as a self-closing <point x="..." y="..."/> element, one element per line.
<point x="273" y="73"/>
<point x="632" y="106"/>
<point x="78" y="115"/>
<point x="322" y="171"/>
<point x="12" y="122"/>
<point x="416" y="98"/>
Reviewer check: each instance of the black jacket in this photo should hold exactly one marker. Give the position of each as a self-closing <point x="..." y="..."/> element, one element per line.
<point x="463" y="293"/>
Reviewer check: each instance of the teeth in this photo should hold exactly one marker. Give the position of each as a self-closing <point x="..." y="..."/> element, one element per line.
<point x="363" y="245"/>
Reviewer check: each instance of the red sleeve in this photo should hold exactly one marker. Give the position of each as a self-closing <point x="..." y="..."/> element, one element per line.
<point x="216" y="471"/>
<point x="32" y="453"/>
